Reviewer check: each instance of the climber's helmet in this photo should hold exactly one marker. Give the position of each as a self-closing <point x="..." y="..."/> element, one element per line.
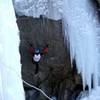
<point x="37" y="51"/>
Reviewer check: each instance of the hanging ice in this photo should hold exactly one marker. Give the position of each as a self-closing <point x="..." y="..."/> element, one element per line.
<point x="80" y="23"/>
<point x="11" y="87"/>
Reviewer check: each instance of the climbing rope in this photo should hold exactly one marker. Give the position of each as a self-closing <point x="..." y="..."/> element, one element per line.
<point x="38" y="90"/>
<point x="11" y="69"/>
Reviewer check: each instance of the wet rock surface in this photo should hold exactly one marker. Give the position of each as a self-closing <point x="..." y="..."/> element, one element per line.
<point x="55" y="74"/>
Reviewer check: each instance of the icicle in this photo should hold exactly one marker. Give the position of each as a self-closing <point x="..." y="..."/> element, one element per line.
<point x="80" y="22"/>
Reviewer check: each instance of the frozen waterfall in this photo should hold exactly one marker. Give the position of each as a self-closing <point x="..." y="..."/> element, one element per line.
<point x="81" y="30"/>
<point x="11" y="87"/>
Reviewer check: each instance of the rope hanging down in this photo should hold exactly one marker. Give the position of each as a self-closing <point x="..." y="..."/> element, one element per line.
<point x="38" y="90"/>
<point x="31" y="85"/>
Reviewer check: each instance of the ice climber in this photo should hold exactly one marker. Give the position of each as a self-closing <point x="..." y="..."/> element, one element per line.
<point x="37" y="53"/>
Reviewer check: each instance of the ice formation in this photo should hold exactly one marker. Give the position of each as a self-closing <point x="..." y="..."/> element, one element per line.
<point x="81" y="30"/>
<point x="11" y="87"/>
<point x="94" y="95"/>
<point x="49" y="8"/>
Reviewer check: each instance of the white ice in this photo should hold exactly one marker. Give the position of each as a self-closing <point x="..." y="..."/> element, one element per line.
<point x="11" y="87"/>
<point x="94" y="95"/>
<point x="49" y="8"/>
<point x="81" y="30"/>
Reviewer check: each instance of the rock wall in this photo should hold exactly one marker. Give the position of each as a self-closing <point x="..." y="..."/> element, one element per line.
<point x="55" y="74"/>
<point x="98" y="1"/>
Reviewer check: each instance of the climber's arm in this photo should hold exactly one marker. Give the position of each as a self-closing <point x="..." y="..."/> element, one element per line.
<point x="31" y="50"/>
<point x="44" y="50"/>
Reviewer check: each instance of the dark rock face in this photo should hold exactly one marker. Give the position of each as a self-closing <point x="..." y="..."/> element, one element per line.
<point x="98" y="1"/>
<point x="55" y="76"/>
<point x="32" y="95"/>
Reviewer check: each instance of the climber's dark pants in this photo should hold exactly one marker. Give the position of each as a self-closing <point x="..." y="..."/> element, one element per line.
<point x="37" y="67"/>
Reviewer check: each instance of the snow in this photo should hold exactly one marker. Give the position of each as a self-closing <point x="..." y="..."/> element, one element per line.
<point x="49" y="8"/>
<point x="11" y="87"/>
<point x="94" y="95"/>
<point x="81" y="31"/>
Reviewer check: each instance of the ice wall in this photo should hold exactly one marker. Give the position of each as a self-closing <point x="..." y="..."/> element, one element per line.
<point x="81" y="26"/>
<point x="11" y="87"/>
<point x="94" y="95"/>
<point x="49" y="8"/>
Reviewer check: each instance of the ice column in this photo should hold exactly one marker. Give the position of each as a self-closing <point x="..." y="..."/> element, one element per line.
<point x="11" y="87"/>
